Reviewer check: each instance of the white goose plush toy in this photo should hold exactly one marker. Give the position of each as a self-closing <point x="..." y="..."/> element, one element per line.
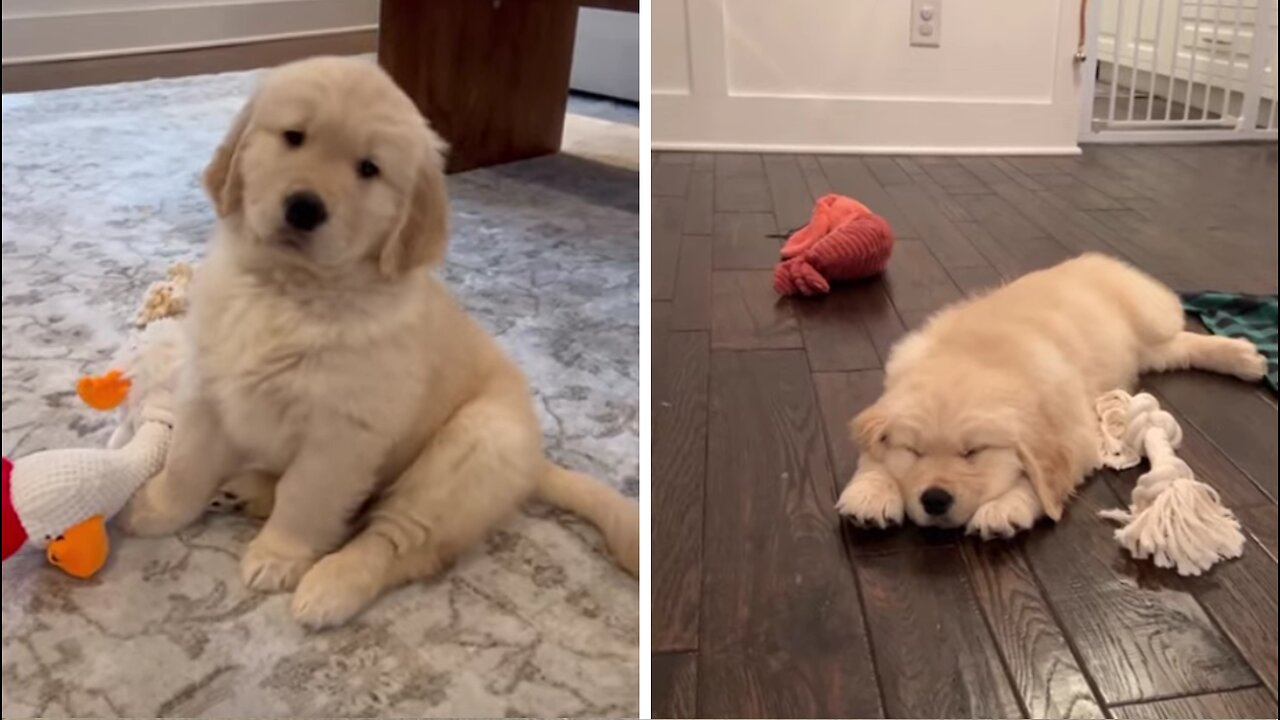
<point x="60" y="500"/>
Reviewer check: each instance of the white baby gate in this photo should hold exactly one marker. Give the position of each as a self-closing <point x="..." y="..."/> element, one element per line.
<point x="1179" y="71"/>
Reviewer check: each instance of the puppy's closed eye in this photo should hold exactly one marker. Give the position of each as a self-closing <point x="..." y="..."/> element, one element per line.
<point x="974" y="452"/>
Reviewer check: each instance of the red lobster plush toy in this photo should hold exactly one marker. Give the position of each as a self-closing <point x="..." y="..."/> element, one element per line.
<point x="843" y="241"/>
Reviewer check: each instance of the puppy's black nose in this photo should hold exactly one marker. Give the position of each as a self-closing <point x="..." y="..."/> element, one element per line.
<point x="936" y="501"/>
<point x="304" y="211"/>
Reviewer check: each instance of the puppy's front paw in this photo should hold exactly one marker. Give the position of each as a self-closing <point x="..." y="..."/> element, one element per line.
<point x="871" y="500"/>
<point x="1005" y="516"/>
<point x="154" y="510"/>
<point x="270" y="565"/>
<point x="1246" y="362"/>
<point x="336" y="590"/>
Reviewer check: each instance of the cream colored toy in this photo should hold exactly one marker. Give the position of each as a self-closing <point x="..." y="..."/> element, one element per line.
<point x="165" y="298"/>
<point x="1174" y="519"/>
<point x="60" y="500"/>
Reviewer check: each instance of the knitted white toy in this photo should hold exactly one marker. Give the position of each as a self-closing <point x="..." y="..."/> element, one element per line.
<point x="1174" y="519"/>
<point x="60" y="500"/>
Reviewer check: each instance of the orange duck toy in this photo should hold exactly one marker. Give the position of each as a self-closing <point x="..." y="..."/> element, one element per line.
<point x="844" y="240"/>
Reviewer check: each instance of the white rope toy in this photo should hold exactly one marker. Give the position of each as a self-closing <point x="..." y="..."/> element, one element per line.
<point x="1174" y="519"/>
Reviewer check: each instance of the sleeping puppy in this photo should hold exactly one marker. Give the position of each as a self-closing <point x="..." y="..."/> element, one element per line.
<point x="987" y="418"/>
<point x="327" y="355"/>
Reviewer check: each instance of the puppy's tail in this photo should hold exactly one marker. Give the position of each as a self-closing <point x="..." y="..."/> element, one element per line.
<point x="615" y="515"/>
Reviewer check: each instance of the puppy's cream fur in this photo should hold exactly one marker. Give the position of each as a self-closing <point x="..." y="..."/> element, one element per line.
<point x="337" y="362"/>
<point x="992" y="400"/>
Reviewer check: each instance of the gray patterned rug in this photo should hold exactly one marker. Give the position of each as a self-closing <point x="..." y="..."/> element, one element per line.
<point x="101" y="194"/>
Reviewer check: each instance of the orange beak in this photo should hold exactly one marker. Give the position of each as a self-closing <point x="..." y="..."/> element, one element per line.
<point x="81" y="551"/>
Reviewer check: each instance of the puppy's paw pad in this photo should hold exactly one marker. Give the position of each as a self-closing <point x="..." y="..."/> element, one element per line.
<point x="226" y="502"/>
<point x="333" y="592"/>
<point x="265" y="570"/>
<point x="871" y="503"/>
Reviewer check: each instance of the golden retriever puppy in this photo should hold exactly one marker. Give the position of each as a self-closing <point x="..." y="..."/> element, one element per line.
<point x="328" y="355"/>
<point x="987" y="419"/>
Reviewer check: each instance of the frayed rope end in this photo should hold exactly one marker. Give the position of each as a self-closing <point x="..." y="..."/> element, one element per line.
<point x="1184" y="527"/>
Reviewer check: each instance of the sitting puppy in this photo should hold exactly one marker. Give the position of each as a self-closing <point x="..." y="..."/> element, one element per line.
<point x="987" y="417"/>
<point x="327" y="355"/>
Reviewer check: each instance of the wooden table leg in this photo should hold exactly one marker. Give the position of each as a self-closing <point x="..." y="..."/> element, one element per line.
<point x="491" y="75"/>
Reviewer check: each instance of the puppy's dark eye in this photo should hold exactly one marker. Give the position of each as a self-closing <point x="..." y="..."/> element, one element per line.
<point x="367" y="169"/>
<point x="294" y="138"/>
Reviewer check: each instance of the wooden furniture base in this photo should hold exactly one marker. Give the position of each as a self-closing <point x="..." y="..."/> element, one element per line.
<point x="492" y="76"/>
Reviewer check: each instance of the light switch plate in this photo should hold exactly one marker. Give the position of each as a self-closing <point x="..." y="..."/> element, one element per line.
<point x="926" y="23"/>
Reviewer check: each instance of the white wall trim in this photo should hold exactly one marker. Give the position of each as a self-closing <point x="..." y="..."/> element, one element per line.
<point x="867" y="149"/>
<point x="53" y="36"/>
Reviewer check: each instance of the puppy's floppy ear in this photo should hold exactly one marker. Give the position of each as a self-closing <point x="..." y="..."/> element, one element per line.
<point x="1049" y="465"/>
<point x="868" y="428"/>
<point x="422" y="234"/>
<point x="222" y="176"/>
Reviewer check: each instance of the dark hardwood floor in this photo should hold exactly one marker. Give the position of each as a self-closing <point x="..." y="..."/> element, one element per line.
<point x="766" y="605"/>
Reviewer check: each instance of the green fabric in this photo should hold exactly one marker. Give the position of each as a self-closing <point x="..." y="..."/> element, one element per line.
<point x="1252" y="317"/>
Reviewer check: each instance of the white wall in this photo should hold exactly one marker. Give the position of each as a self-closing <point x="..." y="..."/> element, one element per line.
<point x="35" y="30"/>
<point x="840" y="75"/>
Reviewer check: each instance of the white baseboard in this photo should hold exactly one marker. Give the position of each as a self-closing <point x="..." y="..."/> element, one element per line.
<point x="32" y="38"/>
<point x="864" y="149"/>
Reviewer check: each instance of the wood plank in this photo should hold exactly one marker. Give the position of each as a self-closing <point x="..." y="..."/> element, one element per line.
<point x="675" y="685"/>
<point x="935" y="656"/>
<point x="746" y="314"/>
<point x="849" y="176"/>
<point x="792" y="202"/>
<point x="1057" y="220"/>
<point x="1019" y="245"/>
<point x="781" y="630"/>
<point x="1248" y="703"/>
<point x="1261" y="523"/>
<point x="670" y="179"/>
<point x="878" y="316"/>
<point x="976" y="280"/>
<point x="660" y="322"/>
<point x="949" y="245"/>
<point x="1231" y="415"/>
<point x="668" y="157"/>
<point x="1139" y="637"/>
<point x="1045" y="672"/>
<point x="667" y="217"/>
<point x="1241" y="597"/>
<point x="691" y="298"/>
<point x="679" y="469"/>
<point x="887" y="171"/>
<point x="953" y="177"/>
<point x="741" y="185"/>
<point x="834" y="334"/>
<point x="745" y="241"/>
<point x="814" y="178"/>
<point x="915" y="280"/>
<point x="699" y="206"/>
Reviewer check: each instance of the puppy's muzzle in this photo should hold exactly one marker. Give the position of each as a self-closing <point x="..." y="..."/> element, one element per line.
<point x="304" y="211"/>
